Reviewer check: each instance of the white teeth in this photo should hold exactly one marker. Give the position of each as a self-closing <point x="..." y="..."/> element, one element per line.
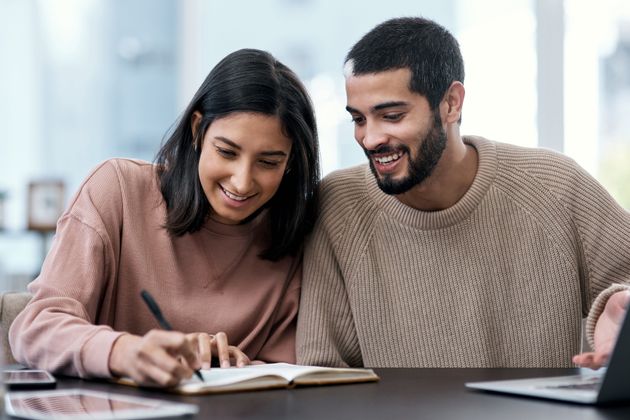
<point x="234" y="196"/>
<point x="390" y="158"/>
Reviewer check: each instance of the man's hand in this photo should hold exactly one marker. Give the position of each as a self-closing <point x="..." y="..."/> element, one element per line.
<point x="606" y="331"/>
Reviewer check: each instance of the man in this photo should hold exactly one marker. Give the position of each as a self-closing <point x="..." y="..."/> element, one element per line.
<point x="453" y="251"/>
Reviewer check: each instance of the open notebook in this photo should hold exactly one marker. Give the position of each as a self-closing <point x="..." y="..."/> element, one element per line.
<point x="273" y="375"/>
<point x="593" y="387"/>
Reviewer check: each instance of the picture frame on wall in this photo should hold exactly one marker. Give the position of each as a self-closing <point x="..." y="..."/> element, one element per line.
<point x="45" y="204"/>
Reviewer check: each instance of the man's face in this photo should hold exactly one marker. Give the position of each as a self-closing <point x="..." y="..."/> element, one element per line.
<point x="399" y="133"/>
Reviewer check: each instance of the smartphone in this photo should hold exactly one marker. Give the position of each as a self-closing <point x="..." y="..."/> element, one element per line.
<point x="28" y="378"/>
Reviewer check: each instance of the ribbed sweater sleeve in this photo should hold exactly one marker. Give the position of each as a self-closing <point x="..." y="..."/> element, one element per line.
<point x="57" y="330"/>
<point x="328" y="310"/>
<point x="599" y="223"/>
<point x="335" y="248"/>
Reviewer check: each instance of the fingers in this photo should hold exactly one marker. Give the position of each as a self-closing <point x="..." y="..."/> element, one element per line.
<point x="226" y="354"/>
<point x="186" y="347"/>
<point x="209" y="345"/>
<point x="239" y="357"/>
<point x="164" y="358"/>
<point x="204" y="346"/>
<point x="223" y="352"/>
<point x="583" y="360"/>
<point x="161" y="369"/>
<point x="591" y="360"/>
<point x="600" y="359"/>
<point x="153" y="358"/>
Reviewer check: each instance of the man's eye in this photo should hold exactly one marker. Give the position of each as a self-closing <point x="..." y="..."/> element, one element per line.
<point x="393" y="117"/>
<point x="357" y="119"/>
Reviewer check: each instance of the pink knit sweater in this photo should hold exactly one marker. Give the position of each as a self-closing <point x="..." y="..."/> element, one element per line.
<point x="110" y="244"/>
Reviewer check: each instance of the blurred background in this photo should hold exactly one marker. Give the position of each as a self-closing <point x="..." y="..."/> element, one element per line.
<point x="85" y="80"/>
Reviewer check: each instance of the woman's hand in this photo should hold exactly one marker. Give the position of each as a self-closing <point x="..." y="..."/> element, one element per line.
<point x="216" y="345"/>
<point x="154" y="359"/>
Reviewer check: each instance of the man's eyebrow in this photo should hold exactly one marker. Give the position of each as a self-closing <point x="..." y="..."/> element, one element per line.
<point x="389" y="104"/>
<point x="379" y="107"/>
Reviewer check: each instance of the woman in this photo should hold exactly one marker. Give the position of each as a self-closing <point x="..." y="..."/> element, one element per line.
<point x="213" y="231"/>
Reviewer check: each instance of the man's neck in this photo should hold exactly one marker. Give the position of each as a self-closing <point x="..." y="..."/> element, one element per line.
<point x="451" y="178"/>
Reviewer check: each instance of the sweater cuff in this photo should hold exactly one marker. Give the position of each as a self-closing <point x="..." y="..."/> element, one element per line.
<point x="598" y="307"/>
<point x="95" y="354"/>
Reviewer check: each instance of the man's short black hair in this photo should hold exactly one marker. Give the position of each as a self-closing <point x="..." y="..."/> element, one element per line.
<point x="427" y="49"/>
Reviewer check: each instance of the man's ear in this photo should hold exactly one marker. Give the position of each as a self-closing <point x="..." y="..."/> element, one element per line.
<point x="453" y="102"/>
<point x="195" y="120"/>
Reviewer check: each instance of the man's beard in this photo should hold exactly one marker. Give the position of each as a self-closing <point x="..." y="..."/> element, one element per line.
<point x="420" y="168"/>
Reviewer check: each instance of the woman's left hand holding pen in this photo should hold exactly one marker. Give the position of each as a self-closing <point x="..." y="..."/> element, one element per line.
<point x="154" y="359"/>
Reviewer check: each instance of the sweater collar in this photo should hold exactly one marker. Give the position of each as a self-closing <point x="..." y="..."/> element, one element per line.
<point x="245" y="229"/>
<point x="486" y="172"/>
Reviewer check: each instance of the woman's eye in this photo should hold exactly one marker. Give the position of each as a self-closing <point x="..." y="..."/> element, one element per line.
<point x="226" y="152"/>
<point x="269" y="163"/>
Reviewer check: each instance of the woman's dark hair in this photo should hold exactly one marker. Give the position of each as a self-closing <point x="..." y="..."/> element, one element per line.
<point x="246" y="80"/>
<point x="427" y="49"/>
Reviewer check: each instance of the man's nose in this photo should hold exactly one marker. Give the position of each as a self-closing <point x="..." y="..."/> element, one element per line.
<point x="373" y="137"/>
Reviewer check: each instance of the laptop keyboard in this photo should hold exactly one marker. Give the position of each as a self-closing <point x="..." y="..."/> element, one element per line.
<point x="589" y="384"/>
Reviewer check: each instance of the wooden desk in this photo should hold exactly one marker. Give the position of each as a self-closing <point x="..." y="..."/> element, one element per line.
<point x="401" y="394"/>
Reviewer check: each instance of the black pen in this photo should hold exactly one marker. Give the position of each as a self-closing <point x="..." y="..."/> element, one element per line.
<point x="157" y="313"/>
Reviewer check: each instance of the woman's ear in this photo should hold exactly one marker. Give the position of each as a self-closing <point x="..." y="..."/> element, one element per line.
<point x="454" y="100"/>
<point x="195" y="120"/>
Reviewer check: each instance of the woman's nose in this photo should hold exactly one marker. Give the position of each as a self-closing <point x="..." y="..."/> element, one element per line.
<point x="242" y="179"/>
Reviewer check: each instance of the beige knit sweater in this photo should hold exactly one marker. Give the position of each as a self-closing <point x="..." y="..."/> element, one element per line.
<point x="500" y="279"/>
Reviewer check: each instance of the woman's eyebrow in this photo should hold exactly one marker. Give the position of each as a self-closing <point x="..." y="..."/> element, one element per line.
<point x="228" y="142"/>
<point x="273" y="153"/>
<point x="236" y="146"/>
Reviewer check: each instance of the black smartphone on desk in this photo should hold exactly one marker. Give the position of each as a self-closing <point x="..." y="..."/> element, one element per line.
<point x="28" y="379"/>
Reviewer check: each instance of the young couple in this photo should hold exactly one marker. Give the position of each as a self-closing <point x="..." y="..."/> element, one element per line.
<point x="447" y="251"/>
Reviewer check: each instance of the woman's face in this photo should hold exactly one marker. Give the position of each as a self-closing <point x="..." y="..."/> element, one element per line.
<point x="243" y="158"/>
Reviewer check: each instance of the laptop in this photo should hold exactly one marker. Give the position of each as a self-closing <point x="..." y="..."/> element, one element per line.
<point x="606" y="385"/>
